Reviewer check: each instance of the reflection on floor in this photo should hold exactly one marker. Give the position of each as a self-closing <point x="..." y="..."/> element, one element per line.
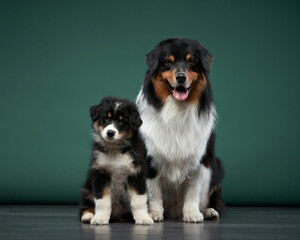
<point x="62" y="222"/>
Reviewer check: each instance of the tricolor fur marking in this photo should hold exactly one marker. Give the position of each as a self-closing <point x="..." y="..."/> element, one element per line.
<point x="178" y="112"/>
<point x="116" y="182"/>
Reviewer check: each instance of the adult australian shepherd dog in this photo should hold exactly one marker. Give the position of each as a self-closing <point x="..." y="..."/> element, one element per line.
<point x="178" y="111"/>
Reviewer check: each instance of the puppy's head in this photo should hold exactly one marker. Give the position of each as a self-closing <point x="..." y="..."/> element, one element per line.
<point x="179" y="68"/>
<point x="115" y="119"/>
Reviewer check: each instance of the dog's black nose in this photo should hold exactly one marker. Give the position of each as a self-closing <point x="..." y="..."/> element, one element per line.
<point x="180" y="77"/>
<point x="110" y="133"/>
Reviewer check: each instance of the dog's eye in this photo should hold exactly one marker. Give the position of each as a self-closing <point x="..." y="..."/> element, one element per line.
<point x="191" y="61"/>
<point x="108" y="116"/>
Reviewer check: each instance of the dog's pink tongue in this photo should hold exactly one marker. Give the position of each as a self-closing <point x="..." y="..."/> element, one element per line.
<point x="180" y="95"/>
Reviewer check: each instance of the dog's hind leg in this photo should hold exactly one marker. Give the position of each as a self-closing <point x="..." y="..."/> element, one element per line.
<point x="87" y="206"/>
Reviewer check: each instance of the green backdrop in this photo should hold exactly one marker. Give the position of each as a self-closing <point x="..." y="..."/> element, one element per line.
<point x="60" y="57"/>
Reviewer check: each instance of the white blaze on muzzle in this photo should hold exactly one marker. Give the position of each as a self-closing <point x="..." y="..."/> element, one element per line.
<point x="110" y="133"/>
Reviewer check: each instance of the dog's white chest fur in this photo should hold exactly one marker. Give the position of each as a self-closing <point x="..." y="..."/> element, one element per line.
<point x="176" y="136"/>
<point x="119" y="166"/>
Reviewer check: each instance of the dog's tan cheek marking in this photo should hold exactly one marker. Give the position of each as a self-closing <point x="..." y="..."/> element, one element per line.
<point x="170" y="76"/>
<point x="122" y="134"/>
<point x="191" y="77"/>
<point x="109" y="114"/>
<point x="161" y="88"/>
<point x="97" y="127"/>
<point x="125" y="135"/>
<point x="197" y="87"/>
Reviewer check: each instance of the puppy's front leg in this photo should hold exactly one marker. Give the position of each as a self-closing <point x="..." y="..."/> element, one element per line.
<point x="138" y="199"/>
<point x="102" y="198"/>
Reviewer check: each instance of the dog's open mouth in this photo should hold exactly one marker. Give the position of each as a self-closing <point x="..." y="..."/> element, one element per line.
<point x="180" y="92"/>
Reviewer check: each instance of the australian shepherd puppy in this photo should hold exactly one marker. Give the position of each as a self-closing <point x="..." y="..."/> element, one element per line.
<point x="116" y="182"/>
<point x="178" y="111"/>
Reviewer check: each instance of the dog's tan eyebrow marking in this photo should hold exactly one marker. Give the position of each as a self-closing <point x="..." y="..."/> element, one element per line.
<point x="171" y="58"/>
<point x="121" y="117"/>
<point x="109" y="114"/>
<point x="188" y="56"/>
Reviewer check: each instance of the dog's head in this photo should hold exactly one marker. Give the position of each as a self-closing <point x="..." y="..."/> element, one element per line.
<point x="115" y="119"/>
<point x="179" y="67"/>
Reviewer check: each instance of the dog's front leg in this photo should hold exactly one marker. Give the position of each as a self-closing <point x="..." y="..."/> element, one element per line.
<point x="138" y="199"/>
<point x="156" y="209"/>
<point x="102" y="198"/>
<point x="191" y="211"/>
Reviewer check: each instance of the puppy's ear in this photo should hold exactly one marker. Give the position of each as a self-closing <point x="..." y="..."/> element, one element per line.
<point x="206" y="58"/>
<point x="135" y="120"/>
<point x="152" y="59"/>
<point x="94" y="112"/>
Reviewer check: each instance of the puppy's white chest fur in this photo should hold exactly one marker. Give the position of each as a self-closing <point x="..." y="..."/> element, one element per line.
<point x="115" y="162"/>
<point x="176" y="136"/>
<point x="120" y="167"/>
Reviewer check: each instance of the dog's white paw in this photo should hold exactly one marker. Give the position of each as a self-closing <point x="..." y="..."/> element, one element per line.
<point x="157" y="216"/>
<point x="100" y="219"/>
<point x="144" y="219"/>
<point x="193" y="216"/>
<point x="86" y="218"/>
<point x="210" y="213"/>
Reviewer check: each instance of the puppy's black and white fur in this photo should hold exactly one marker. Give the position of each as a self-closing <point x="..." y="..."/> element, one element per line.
<point x="178" y="111"/>
<point x="116" y="182"/>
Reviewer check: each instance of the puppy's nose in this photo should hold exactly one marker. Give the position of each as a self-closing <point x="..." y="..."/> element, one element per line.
<point x="110" y="133"/>
<point x="180" y="77"/>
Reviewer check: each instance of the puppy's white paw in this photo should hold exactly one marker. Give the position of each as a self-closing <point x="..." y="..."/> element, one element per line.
<point x="86" y="217"/>
<point x="144" y="219"/>
<point x="193" y="216"/>
<point x="210" y="213"/>
<point x="99" y="219"/>
<point x="157" y="216"/>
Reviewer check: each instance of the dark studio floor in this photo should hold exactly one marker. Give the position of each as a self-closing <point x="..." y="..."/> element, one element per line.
<point x="61" y="222"/>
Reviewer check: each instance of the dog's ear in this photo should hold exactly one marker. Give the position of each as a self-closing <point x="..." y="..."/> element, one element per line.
<point x="94" y="112"/>
<point x="135" y="120"/>
<point x="152" y="59"/>
<point x="205" y="57"/>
